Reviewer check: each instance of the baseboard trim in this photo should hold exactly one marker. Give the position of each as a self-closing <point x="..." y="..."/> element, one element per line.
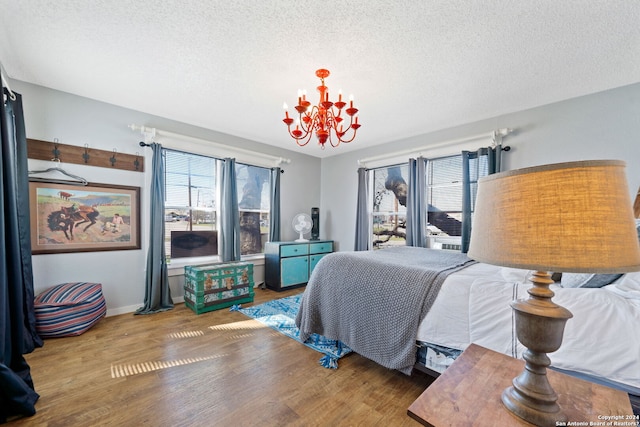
<point x="132" y="308"/>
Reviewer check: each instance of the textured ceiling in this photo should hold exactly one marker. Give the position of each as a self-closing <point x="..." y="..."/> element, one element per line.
<point x="414" y="66"/>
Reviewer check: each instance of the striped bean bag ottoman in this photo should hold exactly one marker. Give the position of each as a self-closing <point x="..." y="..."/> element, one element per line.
<point x="69" y="309"/>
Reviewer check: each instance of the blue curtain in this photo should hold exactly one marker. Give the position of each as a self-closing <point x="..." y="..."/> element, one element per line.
<point x="363" y="233"/>
<point x="475" y="164"/>
<point x="417" y="203"/>
<point x="157" y="295"/>
<point x="229" y="215"/>
<point x="274" y="215"/>
<point x="18" y="334"/>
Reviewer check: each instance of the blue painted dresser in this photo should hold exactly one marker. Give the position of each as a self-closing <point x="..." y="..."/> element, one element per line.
<point x="289" y="264"/>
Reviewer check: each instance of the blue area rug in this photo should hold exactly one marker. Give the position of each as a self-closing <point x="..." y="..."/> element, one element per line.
<point x="280" y="314"/>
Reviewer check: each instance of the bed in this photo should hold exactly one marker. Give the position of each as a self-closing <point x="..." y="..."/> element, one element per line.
<point x="402" y="326"/>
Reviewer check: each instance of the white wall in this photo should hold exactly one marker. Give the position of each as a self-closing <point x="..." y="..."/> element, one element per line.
<point x="605" y="125"/>
<point x="77" y="121"/>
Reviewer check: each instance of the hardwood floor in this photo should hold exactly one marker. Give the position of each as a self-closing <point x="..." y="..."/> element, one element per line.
<point x="217" y="369"/>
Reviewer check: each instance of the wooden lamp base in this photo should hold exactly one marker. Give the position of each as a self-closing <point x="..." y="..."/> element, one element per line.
<point x="539" y="327"/>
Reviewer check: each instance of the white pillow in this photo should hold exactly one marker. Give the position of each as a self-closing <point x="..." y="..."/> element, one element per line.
<point x="574" y="280"/>
<point x="587" y="280"/>
<point x="627" y="286"/>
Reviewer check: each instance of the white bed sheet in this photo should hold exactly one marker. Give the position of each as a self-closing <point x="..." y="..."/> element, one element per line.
<point x="601" y="340"/>
<point x="443" y="324"/>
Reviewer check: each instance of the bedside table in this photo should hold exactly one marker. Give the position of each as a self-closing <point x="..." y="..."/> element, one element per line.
<point x="468" y="393"/>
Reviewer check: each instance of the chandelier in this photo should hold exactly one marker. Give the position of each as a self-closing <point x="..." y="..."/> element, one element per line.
<point x="324" y="119"/>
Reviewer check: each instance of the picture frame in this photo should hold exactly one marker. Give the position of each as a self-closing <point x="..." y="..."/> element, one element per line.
<point x="96" y="217"/>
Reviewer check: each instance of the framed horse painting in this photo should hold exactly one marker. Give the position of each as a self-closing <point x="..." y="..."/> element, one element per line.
<point x="95" y="217"/>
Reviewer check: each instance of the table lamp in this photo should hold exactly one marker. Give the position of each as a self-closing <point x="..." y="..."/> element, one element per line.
<point x="566" y="217"/>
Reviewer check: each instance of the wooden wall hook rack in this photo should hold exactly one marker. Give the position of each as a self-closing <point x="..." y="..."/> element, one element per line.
<point x="46" y="150"/>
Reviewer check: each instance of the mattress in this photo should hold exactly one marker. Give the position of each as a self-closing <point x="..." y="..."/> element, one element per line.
<point x="600" y="342"/>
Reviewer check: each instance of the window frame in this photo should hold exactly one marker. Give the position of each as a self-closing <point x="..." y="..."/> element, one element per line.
<point x="175" y="263"/>
<point x="443" y="240"/>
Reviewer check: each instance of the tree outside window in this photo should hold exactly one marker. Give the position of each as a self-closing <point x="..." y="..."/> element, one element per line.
<point x="444" y="196"/>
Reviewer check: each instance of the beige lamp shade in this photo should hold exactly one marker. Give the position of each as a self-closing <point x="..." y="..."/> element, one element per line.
<point x="565" y="217"/>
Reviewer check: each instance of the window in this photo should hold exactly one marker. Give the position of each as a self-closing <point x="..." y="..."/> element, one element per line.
<point x="444" y="198"/>
<point x="192" y="209"/>
<point x="390" y="206"/>
<point x="254" y="204"/>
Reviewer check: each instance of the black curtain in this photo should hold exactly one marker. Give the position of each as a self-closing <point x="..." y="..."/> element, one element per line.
<point x="18" y="334"/>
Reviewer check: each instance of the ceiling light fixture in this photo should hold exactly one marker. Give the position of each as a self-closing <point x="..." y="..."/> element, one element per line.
<point x="323" y="119"/>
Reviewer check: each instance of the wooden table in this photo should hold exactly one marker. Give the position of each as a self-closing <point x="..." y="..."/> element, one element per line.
<point x="468" y="394"/>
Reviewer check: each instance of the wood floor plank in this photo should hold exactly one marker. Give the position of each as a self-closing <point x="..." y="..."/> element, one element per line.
<point x="177" y="368"/>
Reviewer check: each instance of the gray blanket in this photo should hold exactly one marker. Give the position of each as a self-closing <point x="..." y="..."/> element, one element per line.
<point x="374" y="301"/>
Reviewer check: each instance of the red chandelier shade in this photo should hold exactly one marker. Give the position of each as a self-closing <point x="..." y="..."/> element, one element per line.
<point x="324" y="119"/>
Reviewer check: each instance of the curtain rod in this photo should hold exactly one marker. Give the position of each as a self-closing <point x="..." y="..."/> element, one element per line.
<point x="495" y="135"/>
<point x="144" y="144"/>
<point x="151" y="133"/>
<point x="5" y="83"/>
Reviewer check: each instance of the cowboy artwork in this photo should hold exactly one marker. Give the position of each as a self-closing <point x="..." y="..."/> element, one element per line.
<point x="81" y="216"/>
